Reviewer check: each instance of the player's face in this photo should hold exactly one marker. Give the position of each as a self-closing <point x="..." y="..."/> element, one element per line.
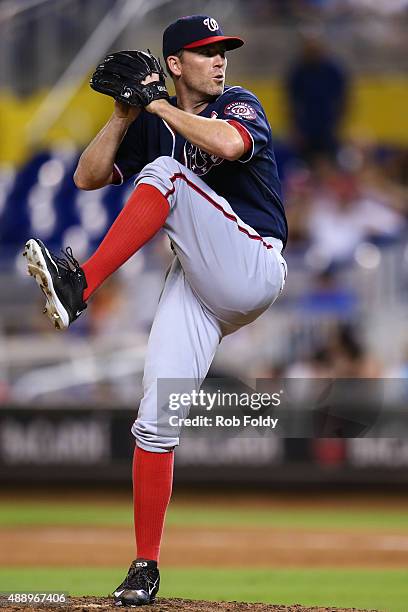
<point x="203" y="69"/>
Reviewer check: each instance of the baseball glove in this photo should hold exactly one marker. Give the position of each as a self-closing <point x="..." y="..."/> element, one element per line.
<point x="120" y="76"/>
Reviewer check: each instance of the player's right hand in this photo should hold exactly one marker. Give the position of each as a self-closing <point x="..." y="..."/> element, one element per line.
<point x="125" y="111"/>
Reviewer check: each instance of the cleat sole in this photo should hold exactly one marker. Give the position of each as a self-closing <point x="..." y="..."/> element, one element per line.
<point x="38" y="270"/>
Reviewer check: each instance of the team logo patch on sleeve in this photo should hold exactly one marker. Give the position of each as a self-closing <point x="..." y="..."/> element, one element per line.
<point x="243" y="110"/>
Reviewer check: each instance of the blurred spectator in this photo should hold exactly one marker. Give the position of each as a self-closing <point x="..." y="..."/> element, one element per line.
<point x="350" y="358"/>
<point x="342" y="216"/>
<point x="300" y="192"/>
<point x="317" y="88"/>
<point x="342" y="355"/>
<point x="384" y="177"/>
<point x="318" y="365"/>
<point x="332" y="211"/>
<point x="328" y="295"/>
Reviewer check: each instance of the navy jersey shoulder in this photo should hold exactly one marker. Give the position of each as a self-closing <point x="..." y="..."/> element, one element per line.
<point x="251" y="184"/>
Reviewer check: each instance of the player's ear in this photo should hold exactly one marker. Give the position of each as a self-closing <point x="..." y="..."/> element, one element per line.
<point x="174" y="65"/>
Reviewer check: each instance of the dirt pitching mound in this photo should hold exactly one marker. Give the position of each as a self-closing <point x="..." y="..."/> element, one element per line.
<point x="102" y="604"/>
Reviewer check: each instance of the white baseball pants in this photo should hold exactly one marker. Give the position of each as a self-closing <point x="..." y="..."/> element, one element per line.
<point x="224" y="275"/>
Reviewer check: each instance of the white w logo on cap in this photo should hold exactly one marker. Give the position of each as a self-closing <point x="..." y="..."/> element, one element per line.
<point x="211" y="24"/>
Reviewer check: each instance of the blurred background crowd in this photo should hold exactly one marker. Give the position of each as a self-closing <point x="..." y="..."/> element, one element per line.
<point x="332" y="76"/>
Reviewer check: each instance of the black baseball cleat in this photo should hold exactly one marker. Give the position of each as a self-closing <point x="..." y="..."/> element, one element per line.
<point x="62" y="281"/>
<point x="140" y="586"/>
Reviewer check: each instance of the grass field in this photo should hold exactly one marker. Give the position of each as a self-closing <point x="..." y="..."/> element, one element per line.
<point x="341" y="587"/>
<point x="12" y="514"/>
<point x="379" y="589"/>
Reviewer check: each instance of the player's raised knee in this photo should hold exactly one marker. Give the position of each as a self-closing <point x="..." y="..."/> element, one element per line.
<point x="165" y="161"/>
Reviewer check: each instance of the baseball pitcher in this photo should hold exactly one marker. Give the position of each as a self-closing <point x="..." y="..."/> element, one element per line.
<point x="206" y="173"/>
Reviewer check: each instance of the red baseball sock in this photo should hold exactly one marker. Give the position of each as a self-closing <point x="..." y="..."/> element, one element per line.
<point x="152" y="485"/>
<point x="141" y="218"/>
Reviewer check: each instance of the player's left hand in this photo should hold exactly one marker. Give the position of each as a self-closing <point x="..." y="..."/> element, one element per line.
<point x="131" y="77"/>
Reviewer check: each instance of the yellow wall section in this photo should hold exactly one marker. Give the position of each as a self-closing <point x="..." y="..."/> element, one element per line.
<point x="377" y="108"/>
<point x="83" y="117"/>
<point x="378" y="111"/>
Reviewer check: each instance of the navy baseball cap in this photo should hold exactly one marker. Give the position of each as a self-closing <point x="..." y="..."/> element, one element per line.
<point x="195" y="31"/>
